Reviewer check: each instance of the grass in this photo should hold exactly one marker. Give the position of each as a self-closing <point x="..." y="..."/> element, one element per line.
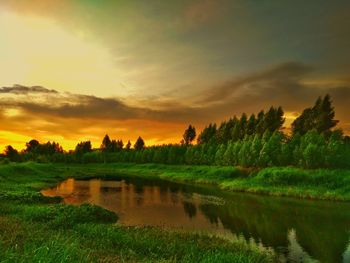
<point x="34" y="228"/>
<point x="288" y="181"/>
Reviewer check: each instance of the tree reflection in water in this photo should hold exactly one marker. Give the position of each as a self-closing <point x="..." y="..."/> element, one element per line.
<point x="298" y="230"/>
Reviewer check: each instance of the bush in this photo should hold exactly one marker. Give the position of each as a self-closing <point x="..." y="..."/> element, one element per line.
<point x="62" y="215"/>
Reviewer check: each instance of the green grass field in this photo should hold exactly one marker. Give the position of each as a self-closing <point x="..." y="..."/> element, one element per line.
<point x="34" y="228"/>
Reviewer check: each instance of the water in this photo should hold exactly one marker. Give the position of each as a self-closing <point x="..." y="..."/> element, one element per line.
<point x="298" y="230"/>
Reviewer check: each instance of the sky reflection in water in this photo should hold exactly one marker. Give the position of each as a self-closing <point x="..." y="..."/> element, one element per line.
<point x="298" y="230"/>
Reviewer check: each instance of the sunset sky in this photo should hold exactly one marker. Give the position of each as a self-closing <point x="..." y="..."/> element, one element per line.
<point x="73" y="70"/>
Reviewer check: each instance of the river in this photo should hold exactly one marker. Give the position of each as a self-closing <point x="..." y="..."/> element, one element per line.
<point x="298" y="230"/>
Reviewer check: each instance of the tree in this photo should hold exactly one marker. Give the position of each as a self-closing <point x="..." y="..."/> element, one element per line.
<point x="11" y="153"/>
<point x="295" y="149"/>
<point x="106" y="142"/>
<point x="255" y="149"/>
<point x="271" y="150"/>
<point x="220" y="134"/>
<point x="303" y="123"/>
<point x="120" y="145"/>
<point x="273" y="119"/>
<point x="219" y="156"/>
<point x="32" y="146"/>
<point x="189" y="134"/>
<point x="244" y="154"/>
<point x="236" y="132"/>
<point x="336" y="155"/>
<point x="211" y="154"/>
<point x="325" y="115"/>
<point x="115" y="146"/>
<point x="313" y="155"/>
<point x="128" y="145"/>
<point x="189" y="155"/>
<point x="243" y="125"/>
<point x="139" y="144"/>
<point x="319" y="117"/>
<point x="83" y="147"/>
<point x="231" y="125"/>
<point x="49" y="148"/>
<point x="279" y="119"/>
<point x="236" y="128"/>
<point x="229" y="154"/>
<point x="312" y="148"/>
<point x="251" y="125"/>
<point x="260" y="123"/>
<point x="207" y="134"/>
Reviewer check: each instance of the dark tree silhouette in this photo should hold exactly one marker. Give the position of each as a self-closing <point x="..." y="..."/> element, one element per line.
<point x="325" y="117"/>
<point x="251" y="125"/>
<point x="259" y="129"/>
<point x="320" y="117"/>
<point x="128" y="145"/>
<point x="106" y="143"/>
<point x="115" y="146"/>
<point x="207" y="134"/>
<point x="49" y="148"/>
<point x="32" y="146"/>
<point x="273" y="119"/>
<point x="189" y="134"/>
<point x="139" y="144"/>
<point x="83" y="147"/>
<point x="11" y="153"/>
<point x="120" y="145"/>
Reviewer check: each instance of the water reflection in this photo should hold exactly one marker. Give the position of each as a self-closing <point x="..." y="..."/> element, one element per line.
<point x="295" y="252"/>
<point x="298" y="230"/>
<point x="346" y="255"/>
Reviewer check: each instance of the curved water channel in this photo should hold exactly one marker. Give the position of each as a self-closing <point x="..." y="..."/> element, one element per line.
<point x="298" y="230"/>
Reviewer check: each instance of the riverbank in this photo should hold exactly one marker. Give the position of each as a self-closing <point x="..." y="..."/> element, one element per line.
<point x="34" y="228"/>
<point x="319" y="184"/>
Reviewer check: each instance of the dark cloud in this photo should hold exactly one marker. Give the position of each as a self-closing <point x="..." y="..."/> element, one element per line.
<point x="284" y="85"/>
<point x="68" y="105"/>
<point x="19" y="89"/>
<point x="90" y="107"/>
<point x="285" y="77"/>
<point x="85" y="107"/>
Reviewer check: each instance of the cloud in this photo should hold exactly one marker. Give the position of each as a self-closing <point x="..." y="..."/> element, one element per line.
<point x="69" y="118"/>
<point x="81" y="106"/>
<point x="69" y="105"/>
<point x="285" y="77"/>
<point x="290" y="85"/>
<point x="19" y="89"/>
<point x="287" y="85"/>
<point x="51" y="115"/>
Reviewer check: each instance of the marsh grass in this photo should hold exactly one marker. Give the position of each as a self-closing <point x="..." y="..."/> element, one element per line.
<point x="288" y="181"/>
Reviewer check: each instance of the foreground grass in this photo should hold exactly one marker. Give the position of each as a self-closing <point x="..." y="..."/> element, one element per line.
<point x="34" y="228"/>
<point x="280" y="181"/>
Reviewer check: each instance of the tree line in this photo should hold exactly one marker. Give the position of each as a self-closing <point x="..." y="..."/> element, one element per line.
<point x="249" y="141"/>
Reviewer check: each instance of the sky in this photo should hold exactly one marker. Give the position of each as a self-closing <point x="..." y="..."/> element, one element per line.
<point x="73" y="70"/>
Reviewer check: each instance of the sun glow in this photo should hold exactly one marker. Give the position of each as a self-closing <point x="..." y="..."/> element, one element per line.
<point x="11" y="112"/>
<point x="37" y="51"/>
<point x="15" y="139"/>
